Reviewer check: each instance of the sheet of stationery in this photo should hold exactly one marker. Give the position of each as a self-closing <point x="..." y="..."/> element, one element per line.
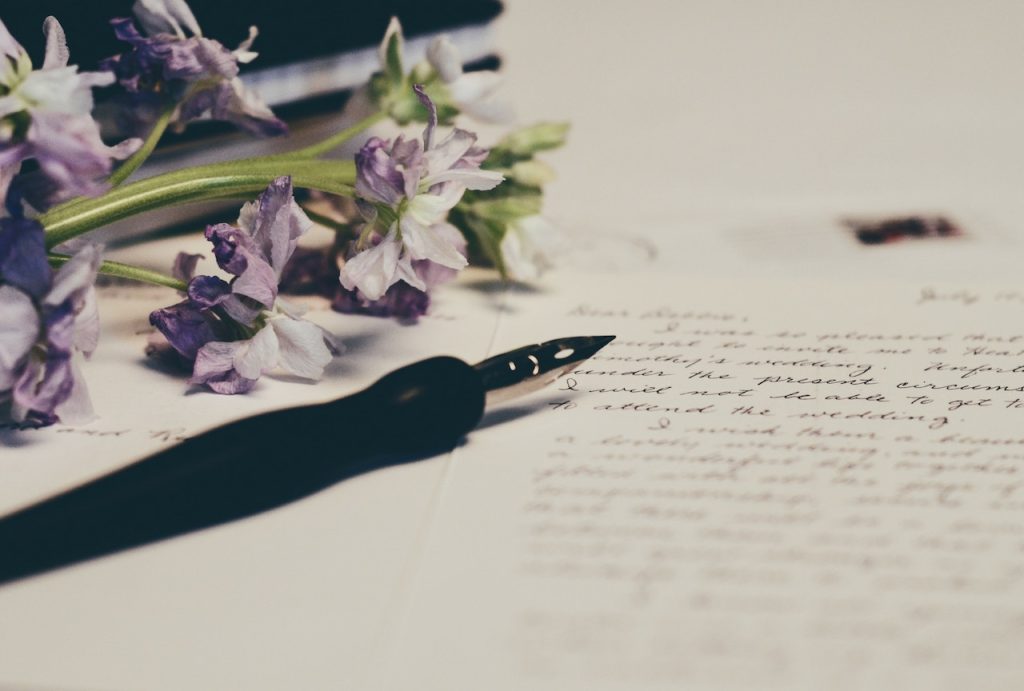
<point x="756" y="486"/>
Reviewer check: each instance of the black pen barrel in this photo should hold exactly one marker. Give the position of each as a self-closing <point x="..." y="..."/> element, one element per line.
<point x="245" y="467"/>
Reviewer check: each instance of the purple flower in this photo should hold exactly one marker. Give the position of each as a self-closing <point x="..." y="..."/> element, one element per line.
<point x="311" y="271"/>
<point x="404" y="299"/>
<point x="400" y="300"/>
<point x="170" y="58"/>
<point x="45" y="317"/>
<point x="45" y="114"/>
<point x="233" y="332"/>
<point x="412" y="186"/>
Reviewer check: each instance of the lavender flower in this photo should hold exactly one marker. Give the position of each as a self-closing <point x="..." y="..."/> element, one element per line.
<point x="234" y="332"/>
<point x="400" y="300"/>
<point x="172" y="59"/>
<point x="407" y="189"/>
<point x="45" y="114"/>
<point x="403" y="299"/>
<point x="45" y="317"/>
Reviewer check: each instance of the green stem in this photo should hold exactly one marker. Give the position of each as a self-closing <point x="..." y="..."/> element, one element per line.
<point x="140" y="156"/>
<point x="215" y="181"/>
<point x="335" y="140"/>
<point x="310" y="152"/>
<point x="135" y="273"/>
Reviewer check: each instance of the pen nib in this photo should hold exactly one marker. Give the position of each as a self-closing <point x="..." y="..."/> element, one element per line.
<point x="523" y="370"/>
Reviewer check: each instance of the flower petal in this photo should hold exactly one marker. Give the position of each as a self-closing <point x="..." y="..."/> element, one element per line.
<point x="377" y="176"/>
<point x="185" y="266"/>
<point x="23" y="261"/>
<point x="70" y="151"/>
<point x="372" y="271"/>
<point x="56" y="44"/>
<point x="77" y="408"/>
<point x="185" y="328"/>
<point x="19" y="329"/>
<point x="451" y="149"/>
<point x="428" y="243"/>
<point x="469" y="178"/>
<point x="43" y="386"/>
<point x="214" y="367"/>
<point x="243" y="107"/>
<point x="530" y="246"/>
<point x="444" y="57"/>
<point x="257" y="355"/>
<point x="302" y="350"/>
<point x="405" y="271"/>
<point x="215" y="357"/>
<point x="433" y="274"/>
<point x="428" y="209"/>
<point x="237" y="253"/>
<point x="207" y="292"/>
<point x="244" y="52"/>
<point x="275" y="223"/>
<point x="73" y="280"/>
<point x="166" y="16"/>
<point x="87" y="324"/>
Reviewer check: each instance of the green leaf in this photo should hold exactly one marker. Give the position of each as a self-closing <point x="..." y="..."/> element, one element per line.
<point x="507" y="209"/>
<point x="487" y="234"/>
<point x="393" y="52"/>
<point x="543" y="136"/>
<point x="531" y="172"/>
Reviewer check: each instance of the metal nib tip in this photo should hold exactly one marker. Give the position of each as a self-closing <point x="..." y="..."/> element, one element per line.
<point x="532" y="367"/>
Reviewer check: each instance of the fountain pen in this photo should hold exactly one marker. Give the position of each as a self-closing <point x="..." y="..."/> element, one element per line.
<point x="262" y="462"/>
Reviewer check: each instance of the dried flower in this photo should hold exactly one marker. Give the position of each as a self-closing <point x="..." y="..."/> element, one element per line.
<point x="45" y="317"/>
<point x="45" y="114"/>
<point x="173" y="60"/>
<point x="407" y="189"/>
<point x="233" y="332"/>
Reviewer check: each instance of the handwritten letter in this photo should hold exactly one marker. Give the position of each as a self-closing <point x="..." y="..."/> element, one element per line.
<point x="753" y="487"/>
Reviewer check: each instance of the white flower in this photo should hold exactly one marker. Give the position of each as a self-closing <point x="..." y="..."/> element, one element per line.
<point x="530" y="247"/>
<point x="472" y="93"/>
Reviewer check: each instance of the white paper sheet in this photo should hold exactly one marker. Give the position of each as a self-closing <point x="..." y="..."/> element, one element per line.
<point x="756" y="486"/>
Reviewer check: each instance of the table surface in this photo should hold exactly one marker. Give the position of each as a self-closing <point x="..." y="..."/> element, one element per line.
<point x="692" y="122"/>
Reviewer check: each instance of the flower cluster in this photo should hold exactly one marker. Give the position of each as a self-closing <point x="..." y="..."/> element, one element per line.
<point x="411" y="231"/>
<point x="409" y="213"/>
<point x="234" y="332"/>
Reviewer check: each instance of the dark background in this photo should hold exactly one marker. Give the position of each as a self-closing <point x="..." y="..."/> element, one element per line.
<point x="290" y="30"/>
